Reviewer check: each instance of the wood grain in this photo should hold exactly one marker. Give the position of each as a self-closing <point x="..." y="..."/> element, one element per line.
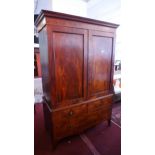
<point x="99" y="64"/>
<point x="77" y="56"/>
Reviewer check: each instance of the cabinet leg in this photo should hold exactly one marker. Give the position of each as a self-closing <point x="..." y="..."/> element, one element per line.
<point x="109" y="122"/>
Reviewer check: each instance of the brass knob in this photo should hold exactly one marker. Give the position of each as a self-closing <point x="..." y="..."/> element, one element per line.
<point x="70" y="113"/>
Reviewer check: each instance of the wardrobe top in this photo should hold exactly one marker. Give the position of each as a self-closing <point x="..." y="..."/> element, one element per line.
<point x="52" y="14"/>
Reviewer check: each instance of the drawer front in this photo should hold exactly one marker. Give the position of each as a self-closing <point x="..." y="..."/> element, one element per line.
<point x="96" y="117"/>
<point x="94" y="106"/>
<point x="77" y="121"/>
<point x="71" y="112"/>
<point x="60" y="115"/>
<point x="60" y="123"/>
<point x="77" y="111"/>
<point x="105" y="114"/>
<point x="69" y="121"/>
<point x="73" y="126"/>
<point x="100" y="104"/>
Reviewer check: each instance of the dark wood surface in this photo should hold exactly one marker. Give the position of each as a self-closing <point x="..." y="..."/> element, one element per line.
<point x="69" y="52"/>
<point x="77" y="65"/>
<point x="53" y="14"/>
<point x="99" y="63"/>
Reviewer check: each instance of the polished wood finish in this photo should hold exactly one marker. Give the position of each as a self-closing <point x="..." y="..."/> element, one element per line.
<point x="69" y="50"/>
<point x="99" y="63"/>
<point x="60" y="19"/>
<point x="77" y="69"/>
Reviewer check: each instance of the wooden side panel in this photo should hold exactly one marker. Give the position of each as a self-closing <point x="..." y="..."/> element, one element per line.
<point x="69" y="50"/>
<point x="43" y="47"/>
<point x="99" y="65"/>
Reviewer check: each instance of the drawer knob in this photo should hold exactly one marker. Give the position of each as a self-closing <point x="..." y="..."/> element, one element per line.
<point x="70" y="113"/>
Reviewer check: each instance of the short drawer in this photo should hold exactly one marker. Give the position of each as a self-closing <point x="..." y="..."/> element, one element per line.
<point x="94" y="106"/>
<point x="70" y="112"/>
<point x="94" y="117"/>
<point x="98" y="116"/>
<point x="78" y="111"/>
<point x="60" y="123"/>
<point x="100" y="104"/>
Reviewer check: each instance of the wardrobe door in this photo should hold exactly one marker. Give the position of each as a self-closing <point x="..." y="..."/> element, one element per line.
<point x="100" y="63"/>
<point x="69" y="46"/>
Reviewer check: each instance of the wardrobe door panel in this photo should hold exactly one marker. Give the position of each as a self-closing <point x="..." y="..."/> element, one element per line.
<point x="99" y="64"/>
<point x="69" y="47"/>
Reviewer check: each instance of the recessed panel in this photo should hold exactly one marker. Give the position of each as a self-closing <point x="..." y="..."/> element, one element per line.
<point x="69" y="59"/>
<point x="99" y="64"/>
